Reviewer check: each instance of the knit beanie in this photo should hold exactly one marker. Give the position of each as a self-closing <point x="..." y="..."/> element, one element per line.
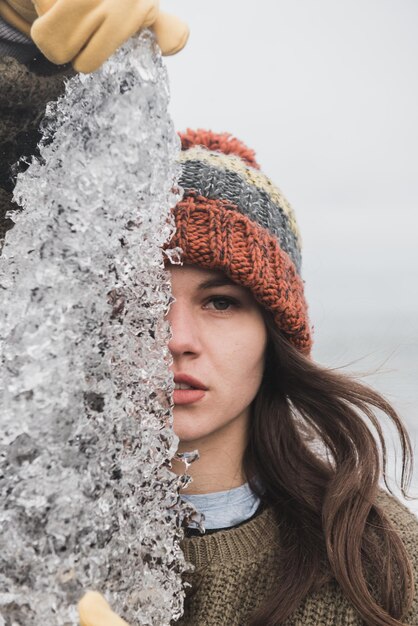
<point x="234" y="219"/>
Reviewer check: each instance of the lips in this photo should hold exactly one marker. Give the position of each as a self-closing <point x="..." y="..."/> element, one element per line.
<point x="189" y="380"/>
<point x="188" y="396"/>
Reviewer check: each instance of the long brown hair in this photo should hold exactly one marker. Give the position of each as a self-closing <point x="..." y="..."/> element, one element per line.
<point x="320" y="463"/>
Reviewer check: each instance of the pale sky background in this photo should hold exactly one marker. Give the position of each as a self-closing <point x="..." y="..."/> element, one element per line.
<point x="326" y="93"/>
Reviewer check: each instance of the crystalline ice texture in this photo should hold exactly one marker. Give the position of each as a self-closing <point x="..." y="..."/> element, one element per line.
<point x="87" y="499"/>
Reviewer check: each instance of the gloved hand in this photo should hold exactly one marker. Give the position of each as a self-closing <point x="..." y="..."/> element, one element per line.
<point x="93" y="610"/>
<point x="87" y="32"/>
<point x="18" y="13"/>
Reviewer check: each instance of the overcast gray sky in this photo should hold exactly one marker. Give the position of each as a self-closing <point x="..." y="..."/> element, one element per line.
<point x="326" y="92"/>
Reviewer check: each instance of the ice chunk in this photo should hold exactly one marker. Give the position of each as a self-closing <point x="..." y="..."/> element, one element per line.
<point x="86" y="494"/>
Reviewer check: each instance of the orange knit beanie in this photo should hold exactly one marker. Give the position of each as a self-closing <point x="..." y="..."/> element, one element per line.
<point x="232" y="218"/>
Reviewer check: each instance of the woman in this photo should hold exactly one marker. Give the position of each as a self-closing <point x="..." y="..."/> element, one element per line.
<point x="297" y="529"/>
<point x="302" y="535"/>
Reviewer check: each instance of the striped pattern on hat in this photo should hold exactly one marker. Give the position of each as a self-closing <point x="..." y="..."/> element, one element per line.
<point x="232" y="218"/>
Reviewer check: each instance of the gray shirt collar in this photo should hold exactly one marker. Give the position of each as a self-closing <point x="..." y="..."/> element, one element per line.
<point x="225" y="509"/>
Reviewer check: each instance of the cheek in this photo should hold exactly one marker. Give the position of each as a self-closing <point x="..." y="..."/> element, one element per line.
<point x="252" y="372"/>
<point x="236" y="364"/>
<point x="246" y="362"/>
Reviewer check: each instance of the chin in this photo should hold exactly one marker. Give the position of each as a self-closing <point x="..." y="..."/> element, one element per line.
<point x="188" y="435"/>
<point x="187" y="430"/>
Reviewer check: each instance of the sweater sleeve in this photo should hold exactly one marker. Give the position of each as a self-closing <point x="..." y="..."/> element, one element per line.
<point x="25" y="89"/>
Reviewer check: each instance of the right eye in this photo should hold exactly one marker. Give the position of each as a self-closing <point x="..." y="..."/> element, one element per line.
<point x="224" y="302"/>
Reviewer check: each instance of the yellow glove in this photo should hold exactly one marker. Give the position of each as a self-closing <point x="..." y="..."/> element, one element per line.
<point x="87" y="32"/>
<point x="18" y="13"/>
<point x="93" y="610"/>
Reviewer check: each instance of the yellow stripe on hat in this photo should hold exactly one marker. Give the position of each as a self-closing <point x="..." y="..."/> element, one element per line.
<point x="252" y="176"/>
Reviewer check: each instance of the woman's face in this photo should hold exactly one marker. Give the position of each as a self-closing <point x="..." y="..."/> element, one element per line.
<point x="218" y="338"/>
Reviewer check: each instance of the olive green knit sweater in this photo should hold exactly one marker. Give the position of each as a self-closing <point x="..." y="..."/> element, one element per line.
<point x="24" y="92"/>
<point x="236" y="569"/>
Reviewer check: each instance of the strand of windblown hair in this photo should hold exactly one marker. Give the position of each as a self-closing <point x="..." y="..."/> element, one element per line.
<point x="86" y="495"/>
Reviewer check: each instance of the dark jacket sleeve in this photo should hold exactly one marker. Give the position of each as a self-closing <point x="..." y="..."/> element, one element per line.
<point x="25" y="89"/>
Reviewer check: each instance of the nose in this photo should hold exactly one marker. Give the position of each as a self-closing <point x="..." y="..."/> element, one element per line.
<point x="185" y="336"/>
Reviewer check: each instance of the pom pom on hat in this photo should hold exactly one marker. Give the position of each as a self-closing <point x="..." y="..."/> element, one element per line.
<point x="219" y="142"/>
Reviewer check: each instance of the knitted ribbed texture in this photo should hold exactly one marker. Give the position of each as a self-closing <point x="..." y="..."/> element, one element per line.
<point x="220" y="165"/>
<point x="23" y="89"/>
<point x="233" y="218"/>
<point x="23" y="97"/>
<point x="237" y="569"/>
<point x="215" y="235"/>
<point x="226" y="177"/>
